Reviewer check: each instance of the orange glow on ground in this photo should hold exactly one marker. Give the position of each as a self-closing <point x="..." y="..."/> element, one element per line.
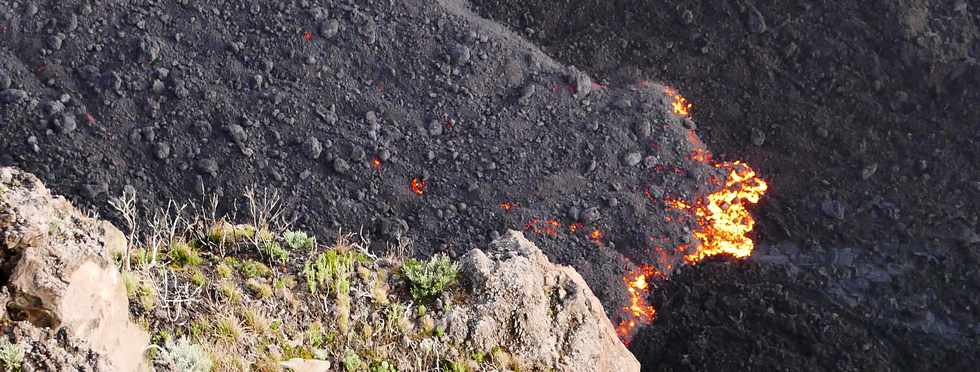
<point x="418" y="186"/>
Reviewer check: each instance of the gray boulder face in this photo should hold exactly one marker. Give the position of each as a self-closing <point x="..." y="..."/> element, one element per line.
<point x="542" y="313"/>
<point x="60" y="275"/>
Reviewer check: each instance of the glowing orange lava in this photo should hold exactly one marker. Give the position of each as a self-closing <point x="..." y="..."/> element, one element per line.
<point x="376" y="163"/>
<point x="418" y="186"/>
<point x="639" y="311"/>
<point x="595" y="235"/>
<point x="680" y="105"/>
<point x="724" y="218"/>
<point x="506" y="206"/>
<point x="723" y="225"/>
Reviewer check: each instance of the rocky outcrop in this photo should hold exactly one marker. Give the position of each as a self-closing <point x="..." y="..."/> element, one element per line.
<point x="543" y="313"/>
<point x="56" y="269"/>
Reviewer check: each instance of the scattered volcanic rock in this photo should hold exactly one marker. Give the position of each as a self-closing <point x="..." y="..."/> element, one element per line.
<point x="60" y="274"/>
<point x="546" y="312"/>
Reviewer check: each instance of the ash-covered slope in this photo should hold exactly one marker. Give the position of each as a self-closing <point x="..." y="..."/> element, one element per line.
<point x="414" y="119"/>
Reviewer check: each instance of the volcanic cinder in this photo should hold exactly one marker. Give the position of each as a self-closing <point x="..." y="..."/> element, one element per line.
<point x="412" y="121"/>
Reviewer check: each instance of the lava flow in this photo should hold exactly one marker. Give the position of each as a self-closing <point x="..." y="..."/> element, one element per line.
<point x="723" y="223"/>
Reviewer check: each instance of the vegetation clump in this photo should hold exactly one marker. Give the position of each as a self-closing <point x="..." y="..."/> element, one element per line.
<point x="185" y="356"/>
<point x="11" y="355"/>
<point x="429" y="278"/>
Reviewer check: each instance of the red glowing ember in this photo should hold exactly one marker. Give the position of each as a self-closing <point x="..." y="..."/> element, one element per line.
<point x="506" y="206"/>
<point x="376" y="163"/>
<point x="307" y="36"/>
<point x="418" y="186"/>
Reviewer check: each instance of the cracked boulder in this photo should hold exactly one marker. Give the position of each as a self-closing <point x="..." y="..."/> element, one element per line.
<point x="56" y="270"/>
<point x="543" y="314"/>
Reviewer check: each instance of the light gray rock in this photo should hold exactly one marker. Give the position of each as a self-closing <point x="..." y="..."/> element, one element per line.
<point x="64" y="277"/>
<point x="544" y="314"/>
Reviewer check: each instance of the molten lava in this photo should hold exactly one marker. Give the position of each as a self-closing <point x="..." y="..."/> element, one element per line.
<point x="418" y="186"/>
<point x="680" y="105"/>
<point x="723" y="217"/>
<point x="637" y="283"/>
<point x="723" y="225"/>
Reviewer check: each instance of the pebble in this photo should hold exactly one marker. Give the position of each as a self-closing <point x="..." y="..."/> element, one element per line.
<point x="822" y="132"/>
<point x="758" y="137"/>
<point x="54" y="107"/>
<point x="687" y="16"/>
<point x="384" y="155"/>
<point x="435" y="128"/>
<point x="460" y="54"/>
<point x="158" y="86"/>
<point x="869" y="171"/>
<point x="65" y="123"/>
<point x="312" y="147"/>
<point x="583" y="84"/>
<point x="56" y="41"/>
<point x="643" y="128"/>
<point x="591" y="215"/>
<point x="162" y="150"/>
<point x="526" y="93"/>
<point x="633" y="158"/>
<point x="329" y="29"/>
<point x="574" y="213"/>
<point x="208" y="166"/>
<point x="236" y="132"/>
<point x="341" y="166"/>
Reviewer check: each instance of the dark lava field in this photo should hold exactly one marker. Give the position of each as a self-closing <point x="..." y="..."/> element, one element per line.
<point x="435" y="125"/>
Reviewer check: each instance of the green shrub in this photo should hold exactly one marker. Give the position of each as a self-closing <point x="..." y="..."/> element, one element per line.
<point x="299" y="240"/>
<point x="382" y="366"/>
<point x="184" y="254"/>
<point x="429" y="278"/>
<point x="352" y="361"/>
<point x="261" y="290"/>
<point x="11" y="355"/>
<point x="185" y="356"/>
<point x="274" y="250"/>
<point x="198" y="278"/>
<point x="255" y="269"/>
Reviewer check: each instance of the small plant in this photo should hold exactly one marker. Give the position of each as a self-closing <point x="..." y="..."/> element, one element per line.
<point x="185" y="356"/>
<point x="261" y="290"/>
<point x="230" y="291"/>
<point x="223" y="270"/>
<point x="352" y="361"/>
<point x="299" y="240"/>
<point x="11" y="355"/>
<point x="448" y="366"/>
<point x="285" y="282"/>
<point x="199" y="328"/>
<point x="429" y="278"/>
<point x="382" y="366"/>
<point x="274" y="250"/>
<point x="184" y="254"/>
<point x="147" y="296"/>
<point x="198" y="278"/>
<point x="228" y="328"/>
<point x="132" y="284"/>
<point x="255" y="269"/>
<point x="394" y="317"/>
<point x="225" y="233"/>
<point x="314" y="335"/>
<point x="256" y="321"/>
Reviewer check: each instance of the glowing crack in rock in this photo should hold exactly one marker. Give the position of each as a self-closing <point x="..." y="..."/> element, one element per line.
<point x="723" y="224"/>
